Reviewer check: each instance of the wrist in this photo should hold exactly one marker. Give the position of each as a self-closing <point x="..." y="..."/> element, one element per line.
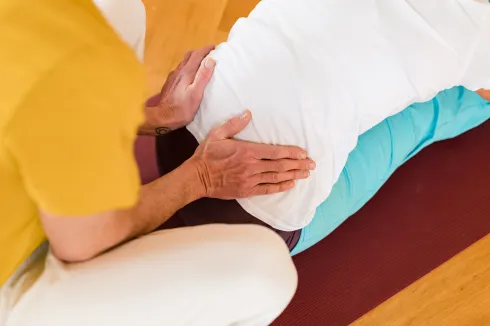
<point x="193" y="178"/>
<point x="157" y="122"/>
<point x="149" y="130"/>
<point x="196" y="168"/>
<point x="160" y="120"/>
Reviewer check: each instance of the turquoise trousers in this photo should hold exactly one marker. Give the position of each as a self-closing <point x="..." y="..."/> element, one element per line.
<point x="381" y="150"/>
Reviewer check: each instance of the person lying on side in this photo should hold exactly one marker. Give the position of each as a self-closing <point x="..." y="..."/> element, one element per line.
<point x="317" y="74"/>
<point x="379" y="152"/>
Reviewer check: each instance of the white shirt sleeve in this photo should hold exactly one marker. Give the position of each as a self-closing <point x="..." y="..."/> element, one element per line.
<point x="128" y="19"/>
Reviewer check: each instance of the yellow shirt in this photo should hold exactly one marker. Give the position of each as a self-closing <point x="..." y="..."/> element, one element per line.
<point x="71" y="100"/>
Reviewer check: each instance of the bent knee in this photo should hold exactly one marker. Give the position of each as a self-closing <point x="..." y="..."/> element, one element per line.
<point x="257" y="241"/>
<point x="265" y="265"/>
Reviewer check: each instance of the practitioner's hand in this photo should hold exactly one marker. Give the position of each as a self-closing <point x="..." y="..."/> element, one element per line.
<point x="180" y="97"/>
<point x="231" y="169"/>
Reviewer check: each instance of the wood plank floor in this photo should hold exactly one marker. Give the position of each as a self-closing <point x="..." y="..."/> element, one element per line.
<point x="176" y="26"/>
<point x="457" y="293"/>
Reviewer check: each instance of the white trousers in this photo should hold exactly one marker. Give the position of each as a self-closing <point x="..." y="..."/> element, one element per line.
<point x="207" y="275"/>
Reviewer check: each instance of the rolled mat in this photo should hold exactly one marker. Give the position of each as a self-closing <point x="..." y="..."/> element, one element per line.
<point x="432" y="208"/>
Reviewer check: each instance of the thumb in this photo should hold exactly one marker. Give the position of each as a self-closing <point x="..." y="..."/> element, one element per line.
<point x="233" y="126"/>
<point x="203" y="76"/>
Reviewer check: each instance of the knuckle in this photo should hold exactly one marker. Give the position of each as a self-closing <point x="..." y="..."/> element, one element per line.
<point x="243" y="193"/>
<point x="238" y="149"/>
<point x="295" y="165"/>
<point x="227" y="124"/>
<point x="231" y="122"/>
<point x="248" y="152"/>
<point x="275" y="152"/>
<point x="203" y="73"/>
<point x="183" y="73"/>
<point x="298" y="175"/>
<point x="266" y="190"/>
<point x="251" y="185"/>
<point x="244" y="170"/>
<point x="283" y="187"/>
<point x="302" y="165"/>
<point x="301" y="174"/>
<point x="243" y="180"/>
<point x="274" y="177"/>
<point x="249" y="171"/>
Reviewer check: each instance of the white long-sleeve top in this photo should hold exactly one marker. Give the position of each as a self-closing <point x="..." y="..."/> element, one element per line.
<point x="318" y="73"/>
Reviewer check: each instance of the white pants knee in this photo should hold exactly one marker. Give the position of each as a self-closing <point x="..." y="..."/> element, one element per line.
<point x="208" y="275"/>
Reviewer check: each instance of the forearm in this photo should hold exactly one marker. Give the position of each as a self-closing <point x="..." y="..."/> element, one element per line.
<point x="157" y="122"/>
<point x="75" y="239"/>
<point x="160" y="199"/>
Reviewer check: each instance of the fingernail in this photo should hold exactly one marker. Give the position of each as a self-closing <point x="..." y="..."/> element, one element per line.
<point x="209" y="63"/>
<point x="245" y="115"/>
<point x="311" y="166"/>
<point x="306" y="174"/>
<point x="302" y="155"/>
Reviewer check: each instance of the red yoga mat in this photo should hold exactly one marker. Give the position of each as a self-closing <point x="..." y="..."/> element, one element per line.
<point x="431" y="209"/>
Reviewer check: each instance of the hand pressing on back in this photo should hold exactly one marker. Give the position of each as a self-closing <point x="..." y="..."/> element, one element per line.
<point x="231" y="169"/>
<point x="181" y="95"/>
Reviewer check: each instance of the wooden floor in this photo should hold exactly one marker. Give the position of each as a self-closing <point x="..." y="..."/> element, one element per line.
<point x="176" y="26"/>
<point x="457" y="293"/>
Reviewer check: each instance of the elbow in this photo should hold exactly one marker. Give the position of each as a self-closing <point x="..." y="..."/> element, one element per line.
<point x="78" y="239"/>
<point x="74" y="253"/>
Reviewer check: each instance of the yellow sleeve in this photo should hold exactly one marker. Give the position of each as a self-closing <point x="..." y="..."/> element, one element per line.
<point x="72" y="136"/>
